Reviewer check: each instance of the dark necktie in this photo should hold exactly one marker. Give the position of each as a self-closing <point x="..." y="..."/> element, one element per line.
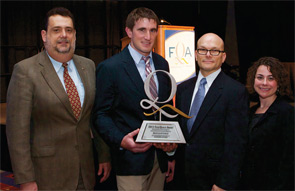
<point x="199" y="97"/>
<point x="148" y="70"/>
<point x="72" y="92"/>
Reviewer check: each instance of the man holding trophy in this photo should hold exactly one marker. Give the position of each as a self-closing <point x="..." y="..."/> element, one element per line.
<point x="118" y="114"/>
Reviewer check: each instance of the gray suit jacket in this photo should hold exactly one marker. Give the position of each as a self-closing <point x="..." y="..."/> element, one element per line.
<point x="47" y="143"/>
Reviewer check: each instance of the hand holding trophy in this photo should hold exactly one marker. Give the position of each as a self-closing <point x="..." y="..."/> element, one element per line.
<point x="166" y="147"/>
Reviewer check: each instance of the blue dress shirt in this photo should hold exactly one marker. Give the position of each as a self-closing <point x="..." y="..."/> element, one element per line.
<point x="73" y="73"/>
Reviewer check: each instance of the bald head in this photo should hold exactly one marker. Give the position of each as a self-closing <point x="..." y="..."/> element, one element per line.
<point x="209" y="63"/>
<point x="209" y="38"/>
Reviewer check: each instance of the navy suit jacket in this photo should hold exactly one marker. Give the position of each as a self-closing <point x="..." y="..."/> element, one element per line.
<point x="216" y="144"/>
<point x="117" y="110"/>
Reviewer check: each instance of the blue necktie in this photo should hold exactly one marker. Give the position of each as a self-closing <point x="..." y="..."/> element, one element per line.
<point x="196" y="104"/>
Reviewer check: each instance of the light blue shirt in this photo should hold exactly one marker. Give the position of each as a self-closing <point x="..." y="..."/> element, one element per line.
<point x="210" y="79"/>
<point x="73" y="73"/>
<point x="140" y="64"/>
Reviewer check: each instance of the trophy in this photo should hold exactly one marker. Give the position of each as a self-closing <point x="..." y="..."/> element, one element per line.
<point x="160" y="131"/>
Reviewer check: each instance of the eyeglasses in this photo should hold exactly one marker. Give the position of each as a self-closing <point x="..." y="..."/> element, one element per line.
<point x="212" y="52"/>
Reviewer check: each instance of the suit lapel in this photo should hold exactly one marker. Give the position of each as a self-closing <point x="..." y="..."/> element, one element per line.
<point x="188" y="93"/>
<point x="132" y="71"/>
<point x="209" y="101"/>
<point x="82" y="73"/>
<point x="53" y="81"/>
<point x="271" y="110"/>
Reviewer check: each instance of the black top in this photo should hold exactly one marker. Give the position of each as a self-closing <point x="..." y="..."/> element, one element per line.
<point x="269" y="161"/>
<point x="254" y="119"/>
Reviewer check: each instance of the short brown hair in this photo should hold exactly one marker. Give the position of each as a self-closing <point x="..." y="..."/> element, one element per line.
<point x="278" y="71"/>
<point x="140" y="13"/>
<point x="58" y="11"/>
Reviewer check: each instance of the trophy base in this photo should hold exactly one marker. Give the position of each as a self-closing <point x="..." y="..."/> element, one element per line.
<point x="160" y="132"/>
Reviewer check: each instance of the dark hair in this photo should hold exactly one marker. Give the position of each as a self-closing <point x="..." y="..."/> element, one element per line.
<point x="278" y="71"/>
<point x="140" y="13"/>
<point x="58" y="11"/>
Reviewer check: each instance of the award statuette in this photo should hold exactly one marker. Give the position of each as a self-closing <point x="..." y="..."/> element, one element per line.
<point x="160" y="131"/>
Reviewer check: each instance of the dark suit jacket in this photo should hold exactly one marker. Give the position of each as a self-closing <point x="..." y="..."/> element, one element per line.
<point x="216" y="144"/>
<point x="47" y="144"/>
<point x="269" y="163"/>
<point x="117" y="110"/>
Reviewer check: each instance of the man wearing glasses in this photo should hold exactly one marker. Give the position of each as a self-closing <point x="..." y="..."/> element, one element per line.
<point x="216" y="134"/>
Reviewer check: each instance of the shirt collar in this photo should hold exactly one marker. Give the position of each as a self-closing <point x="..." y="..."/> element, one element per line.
<point x="136" y="55"/>
<point x="210" y="78"/>
<point x="58" y="65"/>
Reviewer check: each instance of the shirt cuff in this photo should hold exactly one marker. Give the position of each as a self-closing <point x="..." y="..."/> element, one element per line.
<point x="171" y="153"/>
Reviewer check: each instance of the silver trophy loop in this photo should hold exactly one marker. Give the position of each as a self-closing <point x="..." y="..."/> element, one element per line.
<point x="160" y="131"/>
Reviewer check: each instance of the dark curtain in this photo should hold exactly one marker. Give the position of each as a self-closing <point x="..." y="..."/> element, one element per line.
<point x="99" y="26"/>
<point x="263" y="28"/>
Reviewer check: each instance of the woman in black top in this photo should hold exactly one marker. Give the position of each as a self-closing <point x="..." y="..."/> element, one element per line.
<point x="269" y="161"/>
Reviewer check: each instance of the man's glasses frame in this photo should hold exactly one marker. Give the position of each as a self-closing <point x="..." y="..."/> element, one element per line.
<point x="202" y="51"/>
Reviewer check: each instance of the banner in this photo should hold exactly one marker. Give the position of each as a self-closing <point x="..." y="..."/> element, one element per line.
<point x="180" y="53"/>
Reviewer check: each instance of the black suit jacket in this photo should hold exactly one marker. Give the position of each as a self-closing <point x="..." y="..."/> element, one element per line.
<point x="216" y="144"/>
<point x="117" y="110"/>
<point x="269" y="163"/>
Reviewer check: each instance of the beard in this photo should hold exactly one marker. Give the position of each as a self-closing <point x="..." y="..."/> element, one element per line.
<point x="64" y="50"/>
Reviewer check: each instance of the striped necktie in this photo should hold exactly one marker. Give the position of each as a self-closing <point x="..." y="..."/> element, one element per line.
<point x="148" y="70"/>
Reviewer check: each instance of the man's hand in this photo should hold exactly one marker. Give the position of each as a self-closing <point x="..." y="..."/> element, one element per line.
<point x="216" y="188"/>
<point x="129" y="143"/>
<point x="104" y="168"/>
<point x="32" y="186"/>
<point x="167" y="147"/>
<point x="170" y="171"/>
